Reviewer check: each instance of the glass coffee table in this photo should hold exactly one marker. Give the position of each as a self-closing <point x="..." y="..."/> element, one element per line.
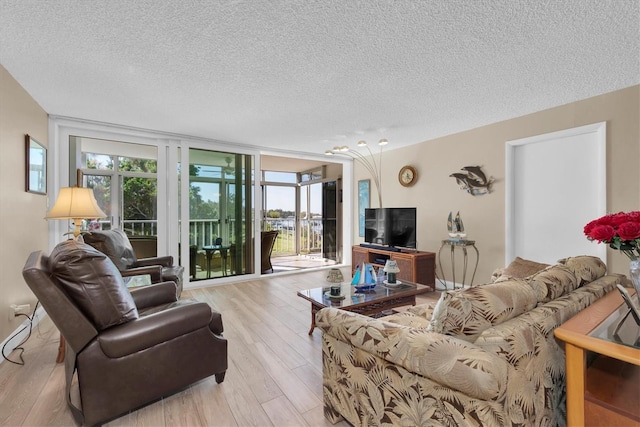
<point x="371" y="302"/>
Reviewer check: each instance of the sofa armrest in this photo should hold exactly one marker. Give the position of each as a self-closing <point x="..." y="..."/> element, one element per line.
<point x="454" y="363"/>
<point x="155" y="271"/>
<point x="153" y="295"/>
<point x="154" y="329"/>
<point x="164" y="261"/>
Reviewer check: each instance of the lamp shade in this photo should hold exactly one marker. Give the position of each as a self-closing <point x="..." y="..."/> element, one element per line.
<point x="75" y="203"/>
<point x="391" y="267"/>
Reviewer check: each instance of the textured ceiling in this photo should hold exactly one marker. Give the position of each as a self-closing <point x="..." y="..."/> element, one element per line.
<point x="309" y="75"/>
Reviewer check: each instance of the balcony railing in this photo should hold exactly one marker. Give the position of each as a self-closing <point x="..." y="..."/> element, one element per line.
<point x="310" y="235"/>
<point x="203" y="232"/>
<point x="140" y="227"/>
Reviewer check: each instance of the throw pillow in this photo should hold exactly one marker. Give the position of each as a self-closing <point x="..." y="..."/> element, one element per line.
<point x="91" y="279"/>
<point x="465" y="313"/>
<point x="552" y="282"/>
<point x="521" y="268"/>
<point x="586" y="268"/>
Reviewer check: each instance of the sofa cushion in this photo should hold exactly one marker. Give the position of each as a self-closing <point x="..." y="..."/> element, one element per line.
<point x="409" y="319"/>
<point x="93" y="282"/>
<point x="586" y="268"/>
<point x="552" y="282"/>
<point x="465" y="313"/>
<point x="519" y="268"/>
<point x="423" y="310"/>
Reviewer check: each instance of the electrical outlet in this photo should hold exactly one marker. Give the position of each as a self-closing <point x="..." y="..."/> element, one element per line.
<point x="16" y="310"/>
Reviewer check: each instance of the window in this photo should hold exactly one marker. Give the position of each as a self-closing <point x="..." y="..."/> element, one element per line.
<point x="125" y="186"/>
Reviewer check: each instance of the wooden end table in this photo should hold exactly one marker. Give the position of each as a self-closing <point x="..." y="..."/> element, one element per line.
<point x="369" y="303"/>
<point x="605" y="390"/>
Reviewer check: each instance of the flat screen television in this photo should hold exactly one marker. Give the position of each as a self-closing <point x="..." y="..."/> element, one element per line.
<point x="394" y="227"/>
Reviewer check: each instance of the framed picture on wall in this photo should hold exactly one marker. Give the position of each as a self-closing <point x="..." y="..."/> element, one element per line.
<point x="363" y="203"/>
<point x="35" y="167"/>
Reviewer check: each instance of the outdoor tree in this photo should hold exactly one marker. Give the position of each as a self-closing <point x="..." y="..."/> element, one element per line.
<point x="199" y="208"/>
<point x="139" y="193"/>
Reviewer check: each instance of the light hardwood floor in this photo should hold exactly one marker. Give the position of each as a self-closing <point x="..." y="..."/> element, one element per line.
<point x="274" y="376"/>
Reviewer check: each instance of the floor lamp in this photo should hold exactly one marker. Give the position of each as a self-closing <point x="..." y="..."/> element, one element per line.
<point x="369" y="163"/>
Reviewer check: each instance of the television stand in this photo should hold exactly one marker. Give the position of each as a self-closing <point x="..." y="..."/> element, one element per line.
<point x="415" y="266"/>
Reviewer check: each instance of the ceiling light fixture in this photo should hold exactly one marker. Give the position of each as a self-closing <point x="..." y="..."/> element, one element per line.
<point x="369" y="162"/>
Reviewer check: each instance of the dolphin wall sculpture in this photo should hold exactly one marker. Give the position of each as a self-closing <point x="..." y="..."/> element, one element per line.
<point x="473" y="180"/>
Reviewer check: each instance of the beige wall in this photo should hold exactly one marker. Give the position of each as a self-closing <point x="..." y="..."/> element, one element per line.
<point x="22" y="228"/>
<point x="436" y="194"/>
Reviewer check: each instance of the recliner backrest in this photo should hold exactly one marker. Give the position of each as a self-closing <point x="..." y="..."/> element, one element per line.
<point x="68" y="318"/>
<point x="93" y="283"/>
<point x="115" y="244"/>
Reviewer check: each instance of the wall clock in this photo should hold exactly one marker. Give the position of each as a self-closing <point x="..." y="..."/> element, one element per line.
<point x="408" y="176"/>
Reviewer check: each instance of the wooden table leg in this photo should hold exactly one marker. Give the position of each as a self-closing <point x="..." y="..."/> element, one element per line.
<point x="61" y="350"/>
<point x="209" y="255"/>
<point x="314" y="310"/>
<point x="575" y="374"/>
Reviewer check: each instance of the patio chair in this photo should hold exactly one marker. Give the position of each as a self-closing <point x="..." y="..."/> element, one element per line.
<point x="267" y="241"/>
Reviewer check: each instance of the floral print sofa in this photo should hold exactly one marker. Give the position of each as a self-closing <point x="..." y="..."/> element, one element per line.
<point x="483" y="356"/>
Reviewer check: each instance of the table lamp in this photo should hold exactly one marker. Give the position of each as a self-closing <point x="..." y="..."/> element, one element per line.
<point x="391" y="268"/>
<point x="76" y="203"/>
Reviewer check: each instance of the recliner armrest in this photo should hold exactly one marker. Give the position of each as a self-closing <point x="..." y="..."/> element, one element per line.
<point x="165" y="261"/>
<point x="155" y="271"/>
<point x="154" y="329"/>
<point x="156" y="294"/>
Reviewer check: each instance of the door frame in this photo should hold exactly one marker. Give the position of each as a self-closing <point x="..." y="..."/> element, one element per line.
<point x="181" y="151"/>
<point x="593" y="137"/>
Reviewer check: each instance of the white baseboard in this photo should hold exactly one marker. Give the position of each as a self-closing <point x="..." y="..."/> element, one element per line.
<point x="22" y="331"/>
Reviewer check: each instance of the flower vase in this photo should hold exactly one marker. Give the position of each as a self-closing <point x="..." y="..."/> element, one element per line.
<point x="634" y="274"/>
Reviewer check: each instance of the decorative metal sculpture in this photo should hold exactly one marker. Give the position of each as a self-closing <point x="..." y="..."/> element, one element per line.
<point x="455" y="227"/>
<point x="473" y="181"/>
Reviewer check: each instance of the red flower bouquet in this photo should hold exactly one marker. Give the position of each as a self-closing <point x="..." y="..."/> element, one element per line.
<point x="620" y="231"/>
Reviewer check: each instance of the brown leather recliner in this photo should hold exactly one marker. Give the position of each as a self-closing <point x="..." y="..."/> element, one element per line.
<point x="116" y="245"/>
<point x="129" y="348"/>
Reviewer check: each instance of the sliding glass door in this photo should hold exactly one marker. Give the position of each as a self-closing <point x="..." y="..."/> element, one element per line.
<point x="220" y="214"/>
<point x="182" y="197"/>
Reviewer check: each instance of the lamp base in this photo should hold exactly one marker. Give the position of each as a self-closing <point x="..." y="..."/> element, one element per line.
<point x="78" y="223"/>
